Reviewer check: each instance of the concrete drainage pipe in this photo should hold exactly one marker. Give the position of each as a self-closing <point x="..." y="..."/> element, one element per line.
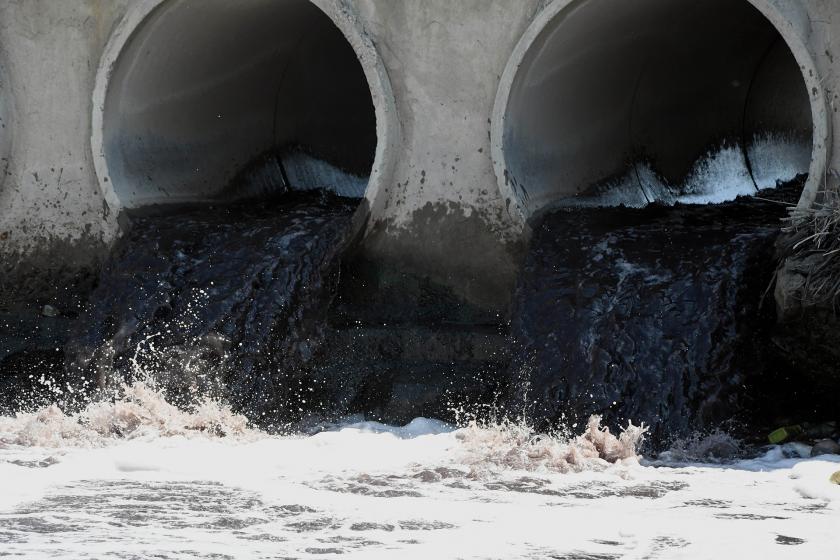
<point x="607" y="102"/>
<point x="190" y="92"/>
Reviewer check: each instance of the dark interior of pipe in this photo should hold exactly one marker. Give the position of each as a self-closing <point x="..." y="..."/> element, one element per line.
<point x="202" y="90"/>
<point x="655" y="99"/>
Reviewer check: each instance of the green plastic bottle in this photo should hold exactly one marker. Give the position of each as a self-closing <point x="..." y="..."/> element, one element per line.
<point x="808" y="430"/>
<point x="786" y="433"/>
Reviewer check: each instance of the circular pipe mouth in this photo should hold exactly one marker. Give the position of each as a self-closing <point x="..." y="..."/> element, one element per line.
<point x="608" y="103"/>
<point x="215" y="100"/>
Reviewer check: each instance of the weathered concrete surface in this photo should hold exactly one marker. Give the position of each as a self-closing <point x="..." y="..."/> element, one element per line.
<point x="52" y="213"/>
<point x="443" y="214"/>
<point x="439" y="209"/>
<point x="823" y="41"/>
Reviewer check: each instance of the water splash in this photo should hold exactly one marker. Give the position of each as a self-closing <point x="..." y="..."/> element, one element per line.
<point x="652" y="315"/>
<point x="721" y="175"/>
<point x="136" y="411"/>
<point x="515" y="446"/>
<point x="308" y="173"/>
<point x="223" y="301"/>
<point x="717" y="446"/>
<point x="778" y="157"/>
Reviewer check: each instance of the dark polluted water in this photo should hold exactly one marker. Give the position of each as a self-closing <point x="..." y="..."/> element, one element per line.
<point x="223" y="301"/>
<point x="213" y="328"/>
<point x="655" y="315"/>
<point x="658" y="315"/>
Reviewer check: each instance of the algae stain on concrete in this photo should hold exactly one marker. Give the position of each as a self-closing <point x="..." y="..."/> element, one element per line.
<point x="456" y="247"/>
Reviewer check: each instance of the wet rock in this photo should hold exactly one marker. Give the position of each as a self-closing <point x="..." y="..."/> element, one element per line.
<point x="804" y="431"/>
<point x="646" y="315"/>
<point x="808" y="333"/>
<point x="723" y="448"/>
<point x="50" y="311"/>
<point x="789" y="541"/>
<point x="825" y="447"/>
<point x="796" y="450"/>
<point x="791" y="282"/>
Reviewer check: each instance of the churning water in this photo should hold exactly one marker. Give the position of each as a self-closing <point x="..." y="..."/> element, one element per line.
<point x="223" y="312"/>
<point x="135" y="477"/>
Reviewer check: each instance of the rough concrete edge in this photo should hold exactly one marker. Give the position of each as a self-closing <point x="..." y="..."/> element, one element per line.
<point x="793" y="22"/>
<point x="342" y="15"/>
<point x="789" y="17"/>
<point x="8" y="110"/>
<point x="123" y="31"/>
<point x="546" y="11"/>
<point x="388" y="130"/>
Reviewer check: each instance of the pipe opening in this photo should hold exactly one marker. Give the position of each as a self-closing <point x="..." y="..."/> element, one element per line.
<point x="219" y="100"/>
<point x="654" y="100"/>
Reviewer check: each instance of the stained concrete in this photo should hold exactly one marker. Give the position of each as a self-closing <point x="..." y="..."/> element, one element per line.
<point x="435" y="69"/>
<point x="49" y="54"/>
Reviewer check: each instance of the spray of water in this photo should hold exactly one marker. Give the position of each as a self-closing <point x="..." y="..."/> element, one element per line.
<point x="136" y="411"/>
<point x="721" y="175"/>
<point x="515" y="446"/>
<point x="717" y="446"/>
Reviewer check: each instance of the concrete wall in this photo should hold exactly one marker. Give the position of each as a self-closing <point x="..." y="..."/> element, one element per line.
<point x="823" y="40"/>
<point x="51" y="209"/>
<point x="444" y="213"/>
<point x="440" y="209"/>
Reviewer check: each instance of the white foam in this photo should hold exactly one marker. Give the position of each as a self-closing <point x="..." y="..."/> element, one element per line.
<point x="776" y="157"/>
<point x="309" y="173"/>
<point x="425" y="490"/>
<point x="721" y="175"/>
<point x="416" y="428"/>
<point x="516" y="447"/>
<point x="137" y="411"/>
<point x="718" y="177"/>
